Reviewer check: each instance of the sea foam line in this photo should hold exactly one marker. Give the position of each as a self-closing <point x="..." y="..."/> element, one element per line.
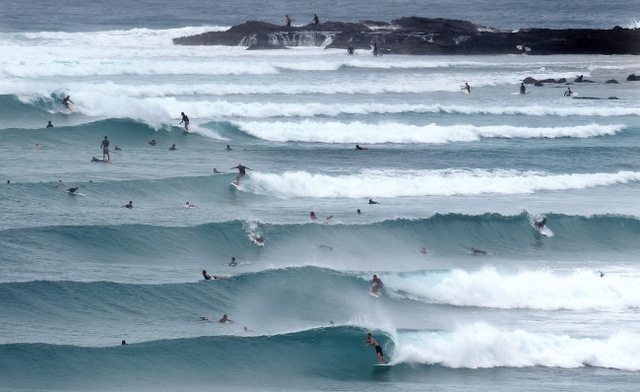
<point x="448" y="182"/>
<point x="480" y="345"/>
<point x="394" y="132"/>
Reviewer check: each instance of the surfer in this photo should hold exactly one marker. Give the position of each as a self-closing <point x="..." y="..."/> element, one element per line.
<point x="372" y="342"/>
<point x="373" y="202"/>
<point x="123" y="343"/>
<point x="540" y="224"/>
<point x="288" y="20"/>
<point x="117" y="149"/>
<point x="49" y="125"/>
<point x="477" y="251"/>
<point x="233" y="262"/>
<point x="359" y="212"/>
<point x="62" y="188"/>
<point x="189" y="205"/>
<point x="601" y="274"/>
<point x="152" y="142"/>
<point x="241" y="169"/>
<point x="360" y="148"/>
<point x="424" y="251"/>
<point x="316" y="20"/>
<point x="258" y="239"/>
<point x="375" y="49"/>
<point x="375" y="284"/>
<point x="247" y="330"/>
<point x="185" y="120"/>
<point x="568" y="92"/>
<point x="313" y="216"/>
<point x="523" y="89"/>
<point x="225" y="319"/>
<point x="523" y="48"/>
<point x="228" y="148"/>
<point x="467" y="87"/>
<point x="66" y="101"/>
<point x="350" y="50"/>
<point x="216" y="171"/>
<point x="206" y="276"/>
<point x="105" y="149"/>
<point x="94" y="159"/>
<point x="173" y="147"/>
<point x="130" y="205"/>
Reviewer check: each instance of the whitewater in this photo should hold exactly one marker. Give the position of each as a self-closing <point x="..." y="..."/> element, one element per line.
<point x="450" y="173"/>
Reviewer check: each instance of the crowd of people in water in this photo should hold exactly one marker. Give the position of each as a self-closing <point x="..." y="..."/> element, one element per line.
<point x="375" y="285"/>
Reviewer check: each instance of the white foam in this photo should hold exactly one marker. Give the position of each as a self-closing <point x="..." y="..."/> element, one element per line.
<point x="390" y="183"/>
<point x="578" y="290"/>
<point x="480" y="345"/>
<point x="393" y="132"/>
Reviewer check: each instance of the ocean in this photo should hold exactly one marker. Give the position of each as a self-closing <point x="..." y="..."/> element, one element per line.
<point x="450" y="172"/>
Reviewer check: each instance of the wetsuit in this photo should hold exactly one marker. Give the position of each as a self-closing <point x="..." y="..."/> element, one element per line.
<point x="105" y="147"/>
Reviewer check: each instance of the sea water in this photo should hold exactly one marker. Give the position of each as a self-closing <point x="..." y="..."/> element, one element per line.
<point x="451" y="172"/>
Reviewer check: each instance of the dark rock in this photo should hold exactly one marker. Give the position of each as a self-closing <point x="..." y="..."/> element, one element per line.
<point x="578" y="79"/>
<point x="415" y="35"/>
<point x="548" y="81"/>
<point x="612" y="81"/>
<point x="538" y="84"/>
<point x="529" y="80"/>
<point x="633" y="78"/>
<point x="562" y="80"/>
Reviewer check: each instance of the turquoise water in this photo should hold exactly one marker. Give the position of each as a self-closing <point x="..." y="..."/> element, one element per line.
<point x="451" y="172"/>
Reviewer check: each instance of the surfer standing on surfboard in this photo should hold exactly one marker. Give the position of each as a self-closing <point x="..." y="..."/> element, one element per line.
<point x="241" y="169"/>
<point x="66" y="101"/>
<point x="540" y="224"/>
<point x="372" y="342"/>
<point x="185" y="120"/>
<point x="375" y="285"/>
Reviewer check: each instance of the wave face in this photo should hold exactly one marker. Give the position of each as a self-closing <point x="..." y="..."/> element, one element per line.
<point x="447" y="236"/>
<point x="319" y="354"/>
<point x="438" y="175"/>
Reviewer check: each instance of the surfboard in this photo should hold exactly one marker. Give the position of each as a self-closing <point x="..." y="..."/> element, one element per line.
<point x="77" y="194"/>
<point x="526" y="48"/>
<point x="518" y="93"/>
<point x="464" y="90"/>
<point x="235" y="185"/>
<point x="382" y="365"/>
<point x="373" y="294"/>
<point x="545" y="231"/>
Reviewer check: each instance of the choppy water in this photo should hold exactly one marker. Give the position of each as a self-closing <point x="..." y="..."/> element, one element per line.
<point x="78" y="273"/>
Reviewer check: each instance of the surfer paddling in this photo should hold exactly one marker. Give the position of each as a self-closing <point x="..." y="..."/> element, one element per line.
<point x="372" y="342"/>
<point x="206" y="276"/>
<point x="241" y="172"/>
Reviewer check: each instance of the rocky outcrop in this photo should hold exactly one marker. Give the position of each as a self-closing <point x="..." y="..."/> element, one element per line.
<point x="422" y="36"/>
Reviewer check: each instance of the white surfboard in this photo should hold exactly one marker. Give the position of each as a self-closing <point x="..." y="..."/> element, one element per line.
<point x="77" y="194"/>
<point x="235" y="185"/>
<point x="526" y="48"/>
<point x="518" y="93"/>
<point x="373" y="294"/>
<point x="544" y="230"/>
<point x="382" y="365"/>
